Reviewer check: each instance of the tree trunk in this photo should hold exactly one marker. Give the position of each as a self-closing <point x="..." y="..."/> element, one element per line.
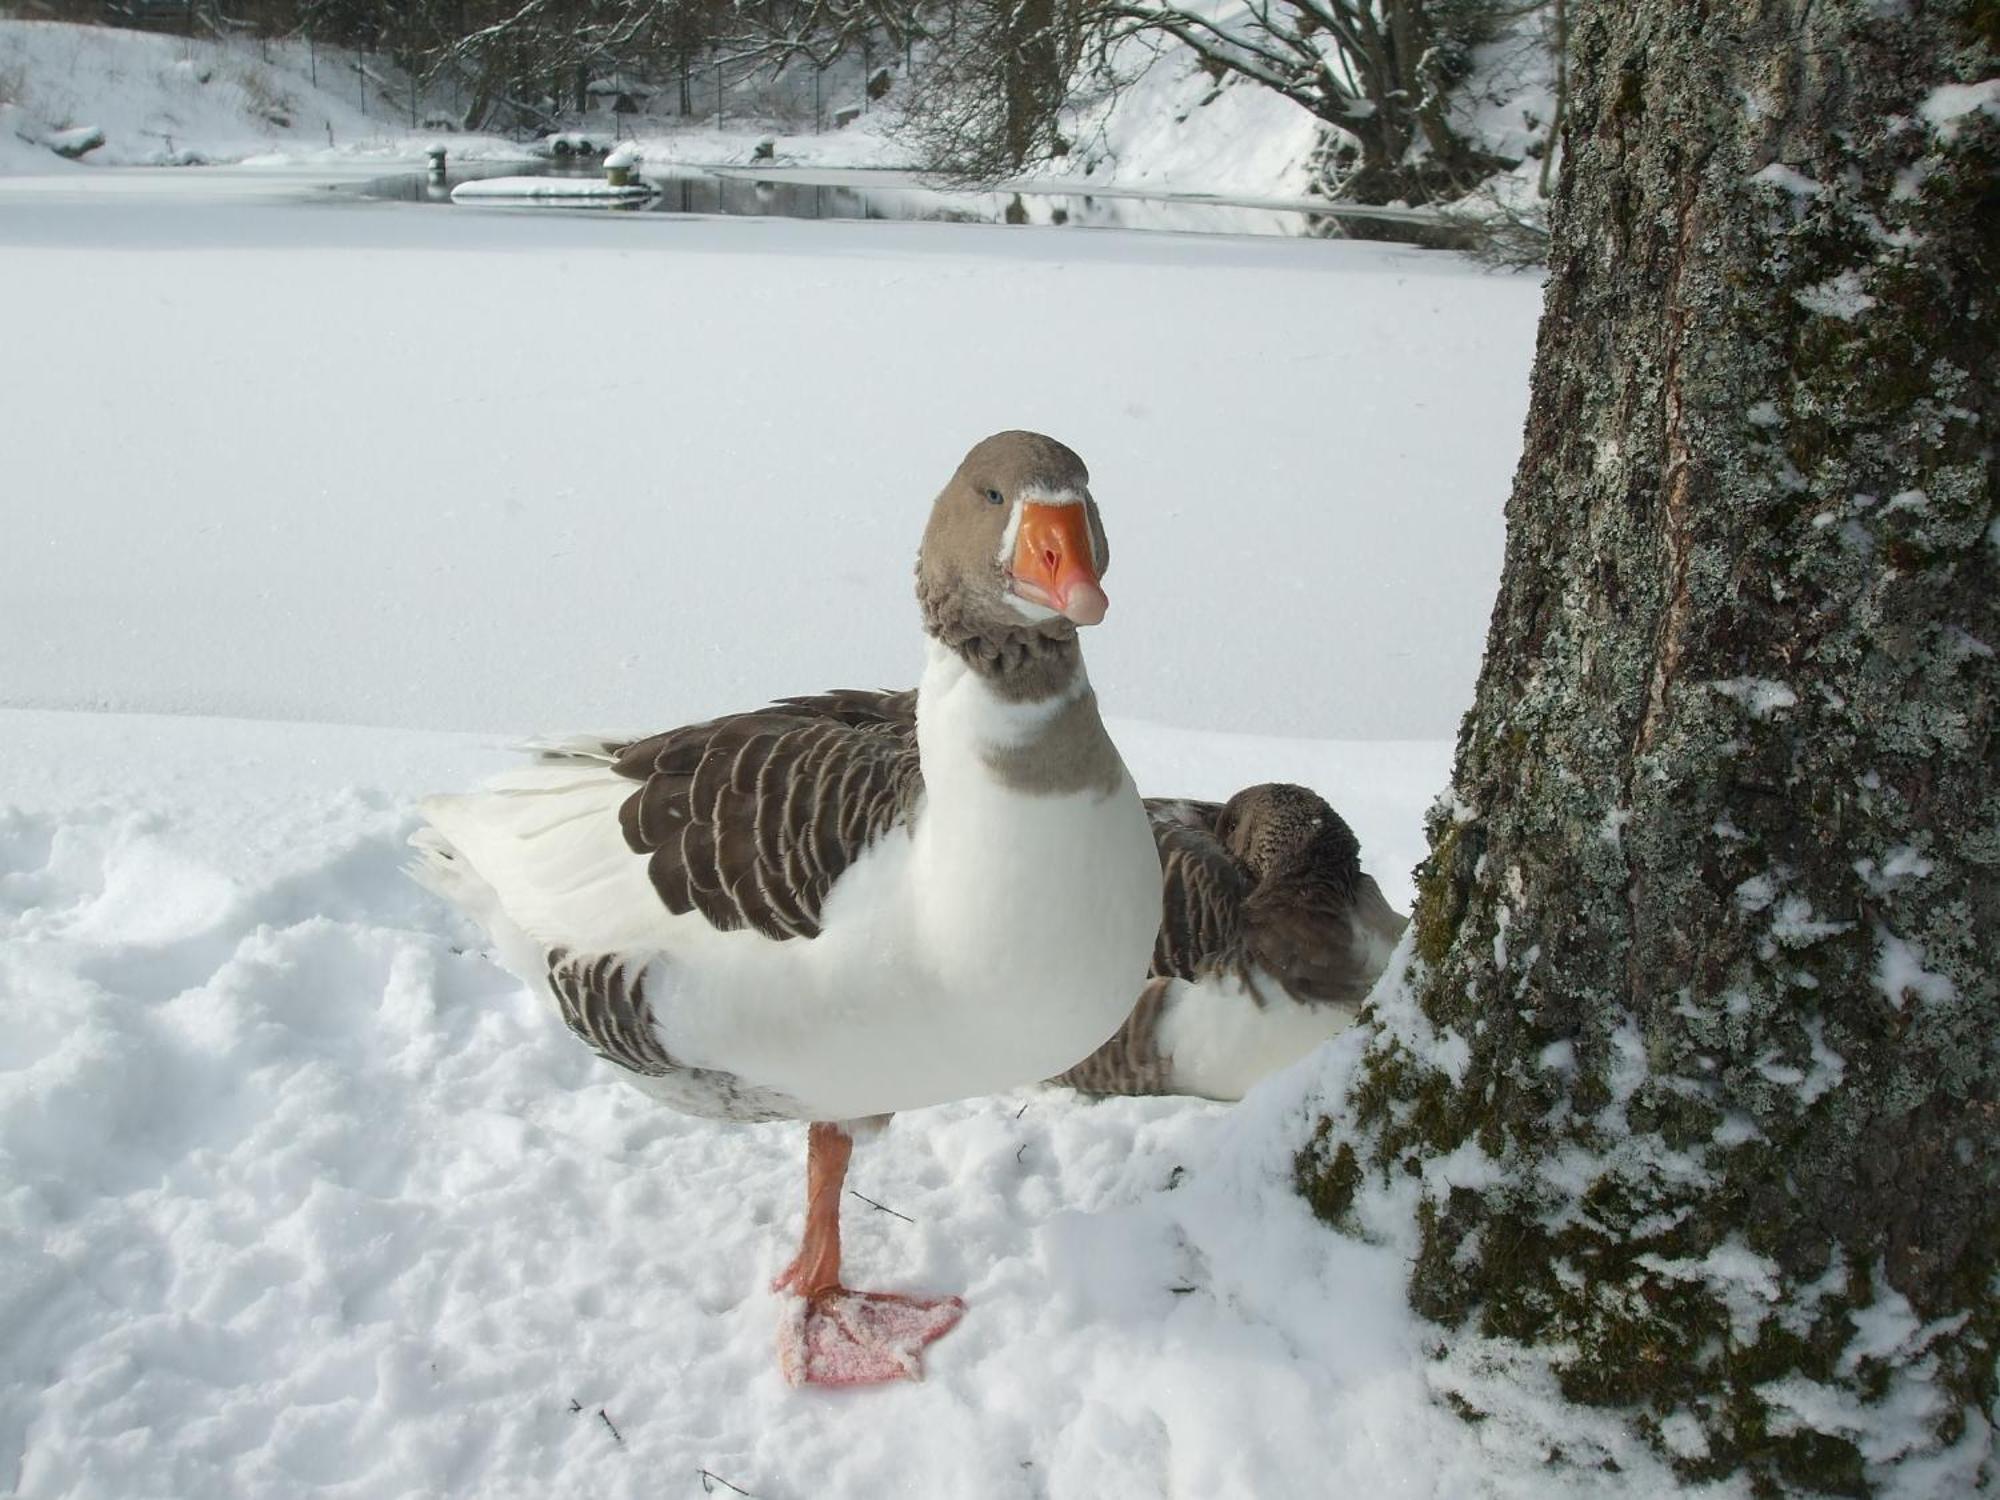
<point x="1695" y="1057"/>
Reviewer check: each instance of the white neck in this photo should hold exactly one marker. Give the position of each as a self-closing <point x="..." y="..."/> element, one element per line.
<point x="961" y="720"/>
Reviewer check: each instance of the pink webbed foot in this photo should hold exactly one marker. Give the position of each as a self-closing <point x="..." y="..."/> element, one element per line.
<point x="841" y="1337"/>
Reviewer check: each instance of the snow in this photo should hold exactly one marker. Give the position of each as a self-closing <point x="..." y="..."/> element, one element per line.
<point x="1902" y="863"/>
<point x="1900" y="972"/>
<point x="1838" y="296"/>
<point x="1760" y="696"/>
<point x="1829" y="1068"/>
<point x="555" y="189"/>
<point x="1944" y="109"/>
<point x="1797" y="925"/>
<point x="170" y="100"/>
<point x="1788" y="179"/>
<point x="304" y="1195"/>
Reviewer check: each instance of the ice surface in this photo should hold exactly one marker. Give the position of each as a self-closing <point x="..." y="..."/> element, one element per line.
<point x="516" y="475"/>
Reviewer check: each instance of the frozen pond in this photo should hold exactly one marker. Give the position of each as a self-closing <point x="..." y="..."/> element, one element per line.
<point x="786" y="194"/>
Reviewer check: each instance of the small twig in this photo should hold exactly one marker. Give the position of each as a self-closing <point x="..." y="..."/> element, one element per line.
<point x="882" y="1206"/>
<point x="1019" y="1152"/>
<point x="611" y="1424"/>
<point x="575" y="1406"/>
<point x="1021" y="1111"/>
<point x="709" y="1482"/>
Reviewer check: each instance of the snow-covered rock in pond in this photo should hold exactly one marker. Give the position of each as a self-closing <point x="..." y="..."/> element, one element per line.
<point x="550" y="190"/>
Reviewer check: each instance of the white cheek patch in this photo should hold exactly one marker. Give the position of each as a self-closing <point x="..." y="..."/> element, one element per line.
<point x="1008" y="537"/>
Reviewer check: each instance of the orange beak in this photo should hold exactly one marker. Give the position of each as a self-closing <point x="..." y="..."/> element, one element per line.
<point x="1053" y="566"/>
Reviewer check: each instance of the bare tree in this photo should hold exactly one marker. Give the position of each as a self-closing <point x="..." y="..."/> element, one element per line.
<point x="1380" y="72"/>
<point x="776" y="33"/>
<point x="1696" y="1065"/>
<point x="989" y="100"/>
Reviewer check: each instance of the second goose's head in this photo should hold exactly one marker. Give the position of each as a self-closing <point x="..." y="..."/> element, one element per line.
<point x="1280" y="830"/>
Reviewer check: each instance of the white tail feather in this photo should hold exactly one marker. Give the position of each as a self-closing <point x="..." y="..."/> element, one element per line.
<point x="541" y="846"/>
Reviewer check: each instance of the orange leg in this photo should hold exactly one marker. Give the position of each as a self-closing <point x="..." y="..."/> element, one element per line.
<point x="832" y="1335"/>
<point x="815" y="1270"/>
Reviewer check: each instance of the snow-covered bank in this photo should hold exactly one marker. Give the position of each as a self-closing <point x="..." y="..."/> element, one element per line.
<point x="1168" y="127"/>
<point x="164" y="99"/>
<point x="170" y="100"/>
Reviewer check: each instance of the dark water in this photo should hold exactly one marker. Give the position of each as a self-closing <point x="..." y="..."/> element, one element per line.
<point x="694" y="192"/>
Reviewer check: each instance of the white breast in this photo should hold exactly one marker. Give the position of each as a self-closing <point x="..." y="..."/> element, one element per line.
<point x="995" y="942"/>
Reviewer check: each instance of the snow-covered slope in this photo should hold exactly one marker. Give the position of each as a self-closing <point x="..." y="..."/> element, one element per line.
<point x="162" y="99"/>
<point x="1169" y="126"/>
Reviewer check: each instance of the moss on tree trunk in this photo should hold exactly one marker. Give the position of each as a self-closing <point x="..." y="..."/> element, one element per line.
<point x="1697" y="1055"/>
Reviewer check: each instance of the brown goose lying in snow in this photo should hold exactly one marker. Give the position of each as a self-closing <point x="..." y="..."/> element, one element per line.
<point x="846" y="905"/>
<point x="1270" y="938"/>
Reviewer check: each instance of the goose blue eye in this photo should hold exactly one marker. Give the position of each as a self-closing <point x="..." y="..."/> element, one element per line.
<point x="994" y="497"/>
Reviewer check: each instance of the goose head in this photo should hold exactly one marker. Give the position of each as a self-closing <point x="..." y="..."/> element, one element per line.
<point x="1279" y="830"/>
<point x="1015" y="547"/>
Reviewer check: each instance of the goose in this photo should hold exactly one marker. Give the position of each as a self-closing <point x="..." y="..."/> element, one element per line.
<point x="1270" y="938"/>
<point x="853" y="903"/>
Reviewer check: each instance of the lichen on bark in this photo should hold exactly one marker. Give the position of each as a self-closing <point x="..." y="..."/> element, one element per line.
<point x="1704" y="948"/>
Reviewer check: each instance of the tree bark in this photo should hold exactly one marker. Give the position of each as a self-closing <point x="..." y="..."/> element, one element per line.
<point x="1696" y="1058"/>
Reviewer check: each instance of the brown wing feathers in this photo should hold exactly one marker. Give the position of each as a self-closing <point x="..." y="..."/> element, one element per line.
<point x="1202" y="893"/>
<point x="749" y="819"/>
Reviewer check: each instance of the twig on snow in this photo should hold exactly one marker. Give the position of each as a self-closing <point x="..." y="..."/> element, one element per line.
<point x="882" y="1206"/>
<point x="710" y="1481"/>
<point x="611" y="1424"/>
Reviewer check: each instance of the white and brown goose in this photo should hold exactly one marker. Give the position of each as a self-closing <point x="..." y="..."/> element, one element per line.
<point x="850" y="904"/>
<point x="1270" y="938"/>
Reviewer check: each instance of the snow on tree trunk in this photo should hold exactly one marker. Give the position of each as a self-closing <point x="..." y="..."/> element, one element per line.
<point x="1695" y="1063"/>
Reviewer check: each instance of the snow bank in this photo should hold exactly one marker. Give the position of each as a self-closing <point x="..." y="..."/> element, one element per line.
<point x="1169" y="128"/>
<point x="170" y="100"/>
